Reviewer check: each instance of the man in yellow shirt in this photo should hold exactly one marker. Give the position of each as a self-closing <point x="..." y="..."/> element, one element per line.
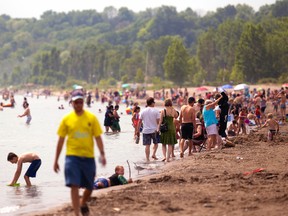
<point x="80" y="126"/>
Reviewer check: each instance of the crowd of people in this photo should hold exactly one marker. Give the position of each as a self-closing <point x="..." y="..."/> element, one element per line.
<point x="207" y="122"/>
<point x="213" y="120"/>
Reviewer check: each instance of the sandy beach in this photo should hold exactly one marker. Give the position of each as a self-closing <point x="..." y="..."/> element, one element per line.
<point x="248" y="179"/>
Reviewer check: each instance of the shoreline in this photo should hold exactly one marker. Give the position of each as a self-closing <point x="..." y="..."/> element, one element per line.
<point x="250" y="178"/>
<point x="208" y="183"/>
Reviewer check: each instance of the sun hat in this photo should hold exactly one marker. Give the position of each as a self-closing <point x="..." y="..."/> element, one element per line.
<point x="208" y="102"/>
<point x="77" y="94"/>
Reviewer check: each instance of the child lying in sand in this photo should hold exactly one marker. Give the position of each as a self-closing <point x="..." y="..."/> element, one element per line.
<point x="273" y="126"/>
<point x="116" y="179"/>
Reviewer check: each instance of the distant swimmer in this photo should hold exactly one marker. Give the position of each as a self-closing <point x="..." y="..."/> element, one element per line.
<point x="61" y="107"/>
<point x="26" y="113"/>
<point x="24" y="101"/>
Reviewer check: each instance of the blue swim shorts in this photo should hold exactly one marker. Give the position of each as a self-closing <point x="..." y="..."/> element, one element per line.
<point x="29" y="118"/>
<point x="101" y="183"/>
<point x="33" y="168"/>
<point x="80" y="171"/>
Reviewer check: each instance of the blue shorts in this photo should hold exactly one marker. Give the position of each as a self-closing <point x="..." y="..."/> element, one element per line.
<point x="29" y="118"/>
<point x="80" y="171"/>
<point x="33" y="168"/>
<point x="101" y="183"/>
<point x="148" y="137"/>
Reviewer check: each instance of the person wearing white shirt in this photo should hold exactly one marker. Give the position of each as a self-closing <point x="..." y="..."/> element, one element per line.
<point x="150" y="117"/>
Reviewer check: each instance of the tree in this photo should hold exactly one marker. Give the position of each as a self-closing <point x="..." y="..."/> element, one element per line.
<point x="251" y="53"/>
<point x="176" y="63"/>
<point x="206" y="52"/>
<point x="139" y="76"/>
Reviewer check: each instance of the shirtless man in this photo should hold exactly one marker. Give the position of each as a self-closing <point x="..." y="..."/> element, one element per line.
<point x="26" y="113"/>
<point x="282" y="97"/>
<point x="187" y="121"/>
<point x="24" y="158"/>
<point x="273" y="126"/>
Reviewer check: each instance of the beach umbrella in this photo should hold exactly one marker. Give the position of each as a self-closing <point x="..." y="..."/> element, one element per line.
<point x="202" y="88"/>
<point x="227" y="86"/>
<point x="125" y="85"/>
<point x="218" y="89"/>
<point x="241" y="87"/>
<point x="75" y="86"/>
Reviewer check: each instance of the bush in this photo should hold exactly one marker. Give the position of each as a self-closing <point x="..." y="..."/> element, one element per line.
<point x="283" y="78"/>
<point x="267" y="80"/>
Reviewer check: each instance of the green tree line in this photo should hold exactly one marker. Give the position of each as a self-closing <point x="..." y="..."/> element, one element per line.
<point x="233" y="44"/>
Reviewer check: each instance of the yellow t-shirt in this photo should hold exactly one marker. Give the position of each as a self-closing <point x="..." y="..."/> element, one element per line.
<point x="81" y="131"/>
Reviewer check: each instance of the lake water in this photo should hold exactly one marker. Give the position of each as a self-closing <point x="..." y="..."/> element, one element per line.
<point x="40" y="136"/>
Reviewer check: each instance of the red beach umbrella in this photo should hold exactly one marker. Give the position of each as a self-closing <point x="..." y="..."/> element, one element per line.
<point x="202" y="88"/>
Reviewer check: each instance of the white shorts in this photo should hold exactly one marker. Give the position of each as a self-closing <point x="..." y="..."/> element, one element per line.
<point x="212" y="130"/>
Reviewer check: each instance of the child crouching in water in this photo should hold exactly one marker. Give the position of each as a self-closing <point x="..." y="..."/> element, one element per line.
<point x="273" y="126"/>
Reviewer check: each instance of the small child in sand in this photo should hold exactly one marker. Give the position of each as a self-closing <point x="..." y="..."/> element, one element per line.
<point x="273" y="126"/>
<point x="32" y="158"/>
<point x="116" y="179"/>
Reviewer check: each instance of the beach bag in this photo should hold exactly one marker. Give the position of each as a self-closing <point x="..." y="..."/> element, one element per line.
<point x="164" y="125"/>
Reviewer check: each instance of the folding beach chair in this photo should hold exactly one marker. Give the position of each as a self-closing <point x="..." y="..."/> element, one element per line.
<point x="201" y="143"/>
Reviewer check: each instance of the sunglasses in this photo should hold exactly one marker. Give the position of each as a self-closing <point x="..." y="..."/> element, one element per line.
<point x="78" y="102"/>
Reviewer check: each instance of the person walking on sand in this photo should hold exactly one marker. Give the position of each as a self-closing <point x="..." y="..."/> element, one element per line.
<point x="150" y="119"/>
<point x="168" y="138"/>
<point x="80" y="126"/>
<point x="30" y="157"/>
<point x="187" y="120"/>
<point x="26" y="113"/>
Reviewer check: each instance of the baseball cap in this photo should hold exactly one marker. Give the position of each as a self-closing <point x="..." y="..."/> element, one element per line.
<point x="77" y="94"/>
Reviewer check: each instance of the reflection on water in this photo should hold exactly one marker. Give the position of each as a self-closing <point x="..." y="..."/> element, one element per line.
<point x="32" y="192"/>
<point x="9" y="209"/>
<point x="40" y="136"/>
<point x="23" y="196"/>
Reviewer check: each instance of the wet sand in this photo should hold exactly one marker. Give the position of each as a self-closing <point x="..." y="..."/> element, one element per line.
<point x="219" y="182"/>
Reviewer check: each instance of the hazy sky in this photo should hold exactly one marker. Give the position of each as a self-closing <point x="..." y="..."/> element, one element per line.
<point x="35" y="8"/>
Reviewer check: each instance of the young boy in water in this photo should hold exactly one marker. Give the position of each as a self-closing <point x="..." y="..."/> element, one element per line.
<point x="32" y="158"/>
<point x="26" y="113"/>
<point x="273" y="126"/>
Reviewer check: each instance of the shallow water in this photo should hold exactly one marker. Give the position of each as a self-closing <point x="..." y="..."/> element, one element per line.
<point x="40" y="136"/>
